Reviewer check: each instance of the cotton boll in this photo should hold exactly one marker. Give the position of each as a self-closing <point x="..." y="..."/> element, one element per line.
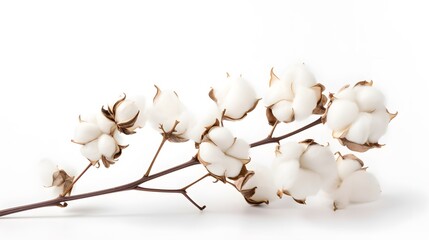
<point x="208" y="152"/>
<point x="369" y="98"/>
<point x="291" y="150"/>
<point x="239" y="99"/>
<point x="341" y="114"/>
<point x="346" y="94"/>
<point x="362" y="187"/>
<point x="283" y="111"/>
<point x="240" y="149"/>
<point x="380" y="121"/>
<point x="222" y="137"/>
<point x="104" y="124"/>
<point x="126" y="111"/>
<point x="304" y="103"/>
<point x="232" y="166"/>
<point x="306" y="184"/>
<point x="107" y="145"/>
<point x="90" y="151"/>
<point x="346" y="167"/>
<point x="264" y="183"/>
<point x="360" y="129"/>
<point x="86" y="132"/>
<point x="285" y="174"/>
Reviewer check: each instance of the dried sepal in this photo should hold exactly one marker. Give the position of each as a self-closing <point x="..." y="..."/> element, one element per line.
<point x="320" y="106"/>
<point x="212" y="95"/>
<point x="230" y="118"/>
<point x="349" y="156"/>
<point x="248" y="193"/>
<point x="359" y="147"/>
<point x="62" y="180"/>
<point x="273" y="77"/>
<point x="365" y="83"/>
<point x="107" y="162"/>
<point x="270" y="116"/>
<point x="157" y="94"/>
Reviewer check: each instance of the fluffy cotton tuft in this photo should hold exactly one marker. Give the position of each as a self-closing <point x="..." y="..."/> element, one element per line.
<point x="301" y="169"/>
<point x="356" y="185"/>
<point x="358" y="117"/>
<point x="168" y="113"/>
<point x="222" y="154"/>
<point x="295" y="96"/>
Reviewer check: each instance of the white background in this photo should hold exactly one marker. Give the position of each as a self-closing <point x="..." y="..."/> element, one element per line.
<point x="61" y="58"/>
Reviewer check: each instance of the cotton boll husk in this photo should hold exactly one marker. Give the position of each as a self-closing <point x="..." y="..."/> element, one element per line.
<point x="341" y="114"/>
<point x="126" y="111"/>
<point x="362" y="187"/>
<point x="380" y="121"/>
<point x="240" y="149"/>
<point x="346" y="94"/>
<point x="208" y="152"/>
<point x="222" y="137"/>
<point x="283" y="111"/>
<point x="291" y="150"/>
<point x="369" y="98"/>
<point x="91" y="151"/>
<point x="104" y="124"/>
<point x="240" y="98"/>
<point x="86" y="132"/>
<point x="346" y="167"/>
<point x="107" y="145"/>
<point x="232" y="166"/>
<point x="285" y="174"/>
<point x="307" y="183"/>
<point x="264" y="183"/>
<point x="321" y="160"/>
<point x="216" y="169"/>
<point x="304" y="103"/>
<point x="360" y="129"/>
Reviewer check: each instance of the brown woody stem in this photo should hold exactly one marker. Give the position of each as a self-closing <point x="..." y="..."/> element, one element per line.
<point x="69" y="188"/>
<point x="61" y="201"/>
<point x="271" y="139"/>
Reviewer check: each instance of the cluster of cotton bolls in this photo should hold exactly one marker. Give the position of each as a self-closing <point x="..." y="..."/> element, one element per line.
<point x="356" y="115"/>
<point x="100" y="134"/>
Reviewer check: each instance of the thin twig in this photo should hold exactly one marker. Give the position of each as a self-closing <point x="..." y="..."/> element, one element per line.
<point x="274" y="128"/>
<point x="271" y="139"/>
<point x="60" y="201"/>
<point x="164" y="139"/>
